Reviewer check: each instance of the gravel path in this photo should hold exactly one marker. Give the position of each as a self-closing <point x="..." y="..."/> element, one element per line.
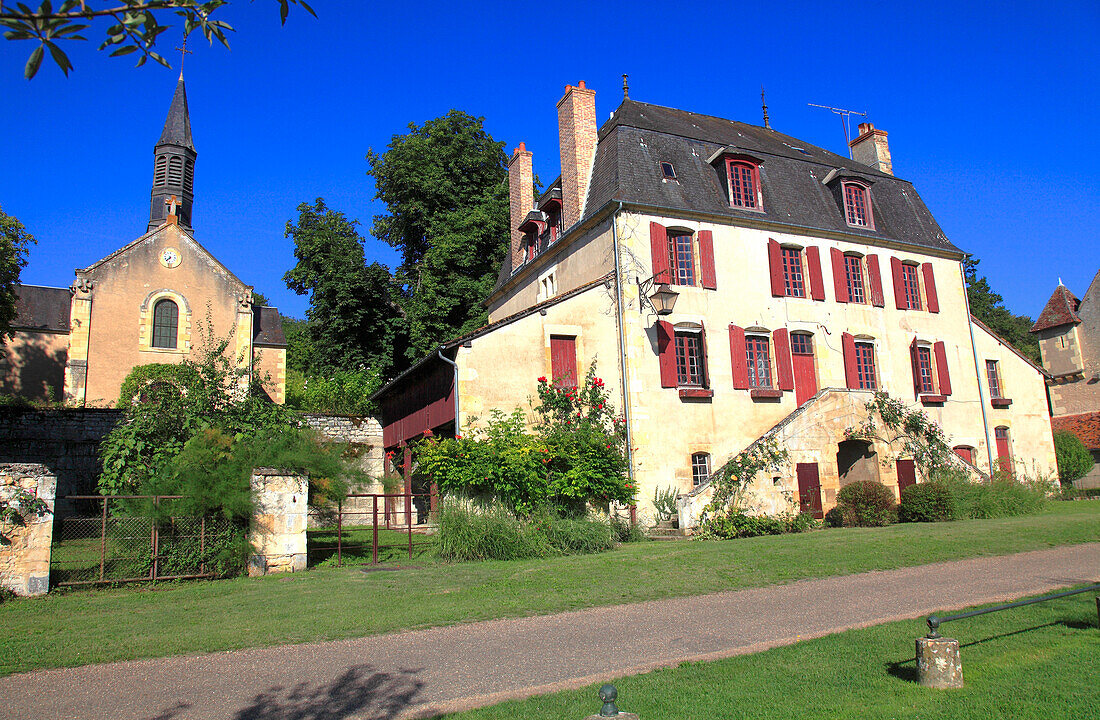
<point x="421" y="673"/>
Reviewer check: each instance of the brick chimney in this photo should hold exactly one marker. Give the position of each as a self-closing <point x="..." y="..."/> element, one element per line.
<point x="871" y="148"/>
<point x="521" y="198"/>
<point x="577" y="137"/>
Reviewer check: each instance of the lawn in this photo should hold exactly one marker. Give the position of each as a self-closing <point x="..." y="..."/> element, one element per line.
<point x="88" y="626"/>
<point x="1037" y="662"/>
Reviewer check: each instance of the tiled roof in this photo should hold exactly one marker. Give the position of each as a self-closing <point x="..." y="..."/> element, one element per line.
<point x="41" y="308"/>
<point x="1085" y="426"/>
<point x="267" y="327"/>
<point x="1061" y="309"/>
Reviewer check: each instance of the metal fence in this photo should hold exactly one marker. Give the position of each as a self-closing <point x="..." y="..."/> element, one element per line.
<point x="372" y="528"/>
<point x="130" y="538"/>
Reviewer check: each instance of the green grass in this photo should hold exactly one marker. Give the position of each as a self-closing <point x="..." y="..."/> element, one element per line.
<point x="357" y="546"/>
<point x="1036" y="662"/>
<point x="331" y="603"/>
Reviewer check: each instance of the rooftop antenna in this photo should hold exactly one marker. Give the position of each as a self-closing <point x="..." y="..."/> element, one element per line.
<point x="626" y="88"/>
<point x="764" y="104"/>
<point x="184" y="52"/>
<point x="844" y="118"/>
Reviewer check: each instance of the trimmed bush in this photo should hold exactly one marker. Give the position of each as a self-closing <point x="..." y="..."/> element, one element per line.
<point x="834" y="518"/>
<point x="927" y="502"/>
<point x="866" y="503"/>
<point x="737" y="524"/>
<point x="1074" y="459"/>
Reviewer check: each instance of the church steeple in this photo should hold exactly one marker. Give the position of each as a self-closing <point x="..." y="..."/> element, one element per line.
<point x="174" y="165"/>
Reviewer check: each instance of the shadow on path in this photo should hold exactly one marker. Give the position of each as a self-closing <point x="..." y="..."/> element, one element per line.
<point x="359" y="690"/>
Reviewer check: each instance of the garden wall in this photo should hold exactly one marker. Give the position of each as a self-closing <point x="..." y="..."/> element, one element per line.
<point x="25" y="550"/>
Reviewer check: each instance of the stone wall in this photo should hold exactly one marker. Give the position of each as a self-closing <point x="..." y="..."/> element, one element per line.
<point x="25" y="552"/>
<point x="364" y="434"/>
<point x="278" y="533"/>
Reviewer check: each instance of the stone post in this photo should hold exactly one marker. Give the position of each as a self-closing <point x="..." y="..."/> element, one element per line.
<point x="938" y="663"/>
<point x="25" y="557"/>
<point x="278" y="533"/>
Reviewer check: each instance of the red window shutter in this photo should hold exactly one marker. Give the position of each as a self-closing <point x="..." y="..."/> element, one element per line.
<point x="563" y="360"/>
<point x="876" y="281"/>
<point x="666" y="352"/>
<point x="705" y="362"/>
<point x="899" y="284"/>
<point x="817" y="286"/>
<point x="706" y="258"/>
<point x="840" y="278"/>
<point x="775" y="261"/>
<point x="658" y="247"/>
<point x="739" y="359"/>
<point x="784" y="368"/>
<point x="851" y="375"/>
<point x="930" y="289"/>
<point x="942" y="373"/>
<point x="914" y="360"/>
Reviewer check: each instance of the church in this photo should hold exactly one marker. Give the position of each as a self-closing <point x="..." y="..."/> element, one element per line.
<point x="158" y="299"/>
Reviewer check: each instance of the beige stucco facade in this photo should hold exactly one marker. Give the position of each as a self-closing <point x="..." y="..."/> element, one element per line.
<point x="32" y="365"/>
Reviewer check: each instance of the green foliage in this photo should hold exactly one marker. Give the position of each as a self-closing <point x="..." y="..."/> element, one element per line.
<point x="1074" y="459"/>
<point x="446" y="195"/>
<point x="1004" y="495"/>
<point x="732" y="480"/>
<point x="918" y="436"/>
<point x="16" y="508"/>
<point x="148" y="382"/>
<point x="495" y="533"/>
<point x="664" y="503"/>
<point x="625" y="531"/>
<point x="135" y="26"/>
<point x="866" y="503"/>
<point x="835" y="517"/>
<point x="988" y="307"/>
<point x="737" y="524"/>
<point x="15" y="243"/>
<point x="927" y="502"/>
<point x="343" y="392"/>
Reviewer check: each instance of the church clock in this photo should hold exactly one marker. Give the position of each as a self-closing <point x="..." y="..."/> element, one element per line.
<point x="170" y="257"/>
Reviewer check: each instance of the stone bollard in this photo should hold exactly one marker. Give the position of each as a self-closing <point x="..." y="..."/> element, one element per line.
<point x="938" y="662"/>
<point x="608" y="695"/>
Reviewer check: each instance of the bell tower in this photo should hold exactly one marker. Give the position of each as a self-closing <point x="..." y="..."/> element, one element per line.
<point x="174" y="165"/>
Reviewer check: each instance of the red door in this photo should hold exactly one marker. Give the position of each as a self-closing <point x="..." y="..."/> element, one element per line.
<point x="563" y="360"/>
<point x="809" y="489"/>
<point x="965" y="452"/>
<point x="1004" y="456"/>
<point x="907" y="474"/>
<point x="802" y="357"/>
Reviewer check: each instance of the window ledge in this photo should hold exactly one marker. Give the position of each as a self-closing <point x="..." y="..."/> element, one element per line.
<point x="696" y="392"/>
<point x="933" y="399"/>
<point x="765" y="393"/>
<point x="1000" y="402"/>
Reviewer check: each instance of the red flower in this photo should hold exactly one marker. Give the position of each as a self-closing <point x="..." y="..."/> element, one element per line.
<point x="542" y="379"/>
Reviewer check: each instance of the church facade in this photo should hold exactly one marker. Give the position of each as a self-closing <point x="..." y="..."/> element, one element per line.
<point x="162" y="298"/>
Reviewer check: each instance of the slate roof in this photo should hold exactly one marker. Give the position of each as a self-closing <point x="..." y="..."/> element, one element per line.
<point x="1061" y="309"/>
<point x="177" y="126"/>
<point x="42" y="308"/>
<point x="267" y="327"/>
<point x="1085" y="426"/>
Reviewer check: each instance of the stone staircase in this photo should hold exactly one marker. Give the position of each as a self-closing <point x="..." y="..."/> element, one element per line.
<point x="667" y="530"/>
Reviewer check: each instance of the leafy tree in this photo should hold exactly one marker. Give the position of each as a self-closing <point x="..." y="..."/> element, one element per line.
<point x="15" y="242"/>
<point x="988" y="307"/>
<point x="1074" y="459"/>
<point x="444" y="185"/>
<point x="352" y="320"/>
<point x="135" y="25"/>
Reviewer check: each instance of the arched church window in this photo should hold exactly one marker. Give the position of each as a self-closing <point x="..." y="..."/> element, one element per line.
<point x="166" y="317"/>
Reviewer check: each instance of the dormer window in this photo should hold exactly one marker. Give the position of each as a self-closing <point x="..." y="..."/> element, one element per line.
<point x="667" y="171"/>
<point x="857" y="205"/>
<point x="744" y="184"/>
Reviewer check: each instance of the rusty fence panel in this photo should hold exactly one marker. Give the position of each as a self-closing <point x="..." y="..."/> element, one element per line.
<point x="372" y="528"/>
<point x="111" y="539"/>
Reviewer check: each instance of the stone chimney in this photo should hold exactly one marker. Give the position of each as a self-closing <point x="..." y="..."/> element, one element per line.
<point x="521" y="198"/>
<point x="871" y="148"/>
<point x="577" y="137"/>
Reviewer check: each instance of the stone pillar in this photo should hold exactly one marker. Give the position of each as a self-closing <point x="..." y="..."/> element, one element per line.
<point x="25" y="555"/>
<point x="938" y="663"/>
<point x="278" y="533"/>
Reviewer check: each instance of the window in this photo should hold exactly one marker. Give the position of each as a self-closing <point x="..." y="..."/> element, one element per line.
<point x="865" y="366"/>
<point x="681" y="252"/>
<point x="911" y="286"/>
<point x="931" y="376"/>
<point x="759" y="362"/>
<point x="924" y="370"/>
<point x="743" y="183"/>
<point x="668" y="171"/>
<point x="793" y="286"/>
<point x="563" y="361"/>
<point x="531" y="241"/>
<point x="994" y="379"/>
<point x="682" y="257"/>
<point x="857" y="206"/>
<point x="689" y="358"/>
<point x="166" y="315"/>
<point x="853" y="271"/>
<point x="700" y="468"/>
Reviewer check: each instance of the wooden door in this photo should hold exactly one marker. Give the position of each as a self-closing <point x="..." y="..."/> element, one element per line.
<point x="563" y="360"/>
<point x="802" y="358"/>
<point x="907" y="474"/>
<point x="965" y="452"/>
<point x="1004" y="454"/>
<point x="809" y="489"/>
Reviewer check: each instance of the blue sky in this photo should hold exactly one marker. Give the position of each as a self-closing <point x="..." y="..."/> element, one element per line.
<point x="992" y="114"/>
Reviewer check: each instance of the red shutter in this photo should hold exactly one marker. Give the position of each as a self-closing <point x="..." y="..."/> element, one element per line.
<point x="658" y="247"/>
<point x="876" y="281"/>
<point x="851" y="375"/>
<point x="563" y="361"/>
<point x="706" y="258"/>
<point x="942" y="372"/>
<point x="914" y="360"/>
<point x="817" y="286"/>
<point x="706" y="360"/>
<point x="666" y="351"/>
<point x="899" y="284"/>
<point x="775" y="261"/>
<point x="930" y="289"/>
<point x="738" y="358"/>
<point x="784" y="369"/>
<point x="840" y="278"/>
